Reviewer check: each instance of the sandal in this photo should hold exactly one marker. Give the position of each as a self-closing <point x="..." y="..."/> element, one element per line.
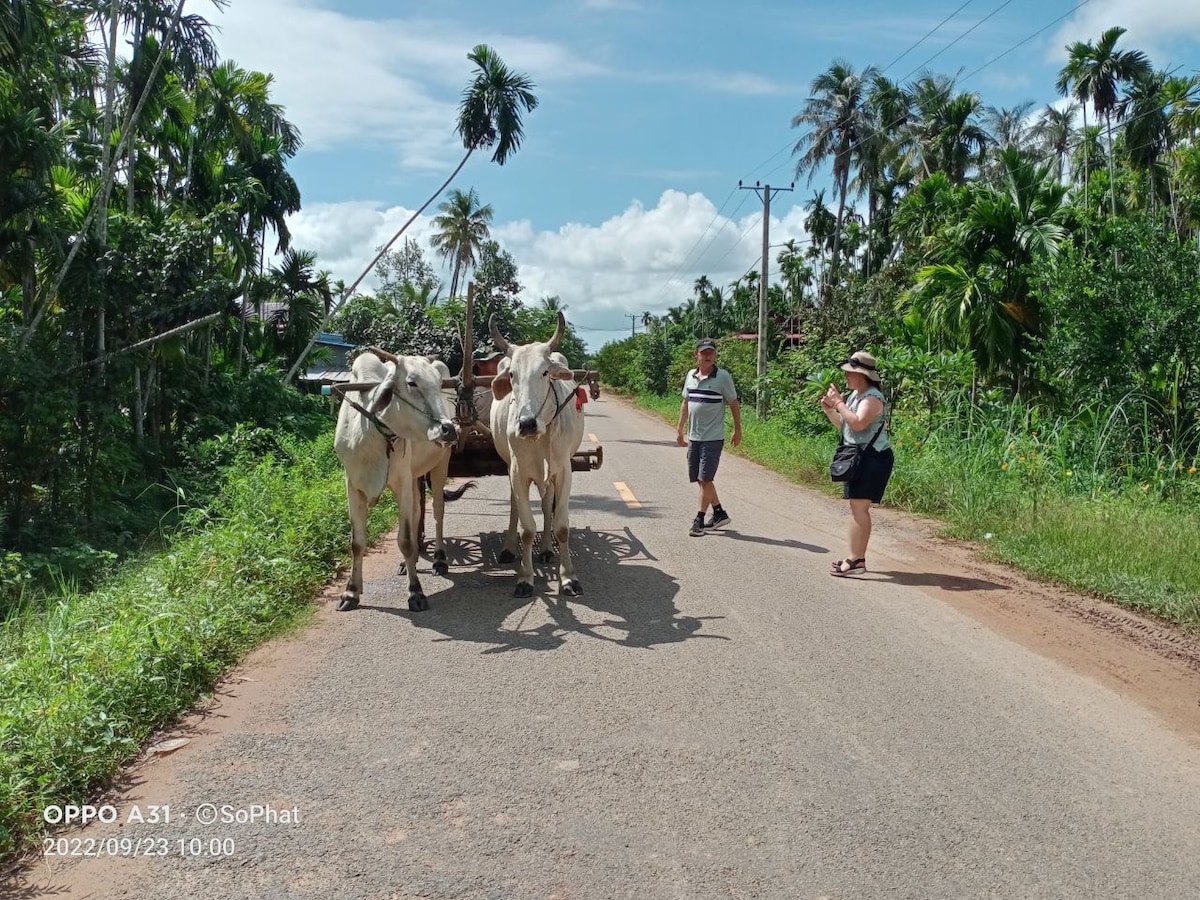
<point x="840" y="568"/>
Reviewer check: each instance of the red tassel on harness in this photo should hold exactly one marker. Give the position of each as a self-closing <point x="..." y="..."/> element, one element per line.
<point x="580" y="397"/>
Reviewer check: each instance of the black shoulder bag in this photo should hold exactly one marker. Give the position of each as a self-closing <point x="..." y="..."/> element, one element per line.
<point x="847" y="458"/>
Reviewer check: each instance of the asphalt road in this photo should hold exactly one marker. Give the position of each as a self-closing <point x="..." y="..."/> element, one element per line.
<point x="714" y="717"/>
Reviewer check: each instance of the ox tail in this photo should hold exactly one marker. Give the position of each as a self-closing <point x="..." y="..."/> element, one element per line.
<point x="451" y="496"/>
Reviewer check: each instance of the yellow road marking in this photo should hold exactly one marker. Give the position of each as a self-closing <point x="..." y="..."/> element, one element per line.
<point x="627" y="495"/>
<point x="593" y="439"/>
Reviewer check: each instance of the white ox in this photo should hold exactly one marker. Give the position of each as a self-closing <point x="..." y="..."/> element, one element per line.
<point x="407" y="401"/>
<point x="431" y="464"/>
<point x="537" y="429"/>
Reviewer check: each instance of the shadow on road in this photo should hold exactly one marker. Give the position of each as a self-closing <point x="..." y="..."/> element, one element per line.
<point x="647" y="443"/>
<point x="623" y="603"/>
<point x="772" y="542"/>
<point x="589" y="502"/>
<point x="938" y="580"/>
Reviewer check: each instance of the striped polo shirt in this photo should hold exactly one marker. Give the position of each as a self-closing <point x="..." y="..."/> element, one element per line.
<point x="706" y="399"/>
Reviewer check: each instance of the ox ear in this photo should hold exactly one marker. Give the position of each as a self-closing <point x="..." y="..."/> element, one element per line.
<point x="387" y="389"/>
<point x="502" y="380"/>
<point x="559" y="367"/>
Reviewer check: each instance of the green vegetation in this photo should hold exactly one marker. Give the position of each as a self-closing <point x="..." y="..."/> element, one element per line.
<point x="167" y="499"/>
<point x="86" y="678"/>
<point x="1036" y="494"/>
<point x="144" y="329"/>
<point x="1031" y="290"/>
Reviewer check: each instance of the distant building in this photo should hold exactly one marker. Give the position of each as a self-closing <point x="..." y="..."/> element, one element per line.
<point x="335" y="370"/>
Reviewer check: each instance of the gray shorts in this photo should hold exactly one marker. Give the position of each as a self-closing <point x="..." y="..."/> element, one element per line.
<point x="703" y="459"/>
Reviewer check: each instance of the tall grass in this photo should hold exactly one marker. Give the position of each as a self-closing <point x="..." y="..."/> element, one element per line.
<point x="1106" y="500"/>
<point x="86" y="678"/>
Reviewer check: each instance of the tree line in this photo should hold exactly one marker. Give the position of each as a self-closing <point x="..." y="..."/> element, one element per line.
<point x="153" y="310"/>
<point x="1053" y="250"/>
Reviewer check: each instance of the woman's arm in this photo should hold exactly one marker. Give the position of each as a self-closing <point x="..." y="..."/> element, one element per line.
<point x="827" y="407"/>
<point x="862" y="418"/>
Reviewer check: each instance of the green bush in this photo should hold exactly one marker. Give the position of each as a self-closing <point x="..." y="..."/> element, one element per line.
<point x="87" y="678"/>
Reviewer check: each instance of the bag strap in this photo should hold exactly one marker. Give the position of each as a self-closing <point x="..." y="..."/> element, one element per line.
<point x="877" y="431"/>
<point x="875" y="436"/>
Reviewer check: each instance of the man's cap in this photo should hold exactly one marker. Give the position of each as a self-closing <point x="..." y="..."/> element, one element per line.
<point x="705" y="344"/>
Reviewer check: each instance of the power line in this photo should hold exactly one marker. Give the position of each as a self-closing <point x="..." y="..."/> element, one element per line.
<point x="679" y="269"/>
<point x="976" y="71"/>
<point x="1026" y="40"/>
<point x="913" y="46"/>
<point x="792" y="142"/>
<point x="957" y="39"/>
<point x="926" y="35"/>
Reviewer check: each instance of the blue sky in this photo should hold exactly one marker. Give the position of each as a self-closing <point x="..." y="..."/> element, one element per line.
<point x="625" y="190"/>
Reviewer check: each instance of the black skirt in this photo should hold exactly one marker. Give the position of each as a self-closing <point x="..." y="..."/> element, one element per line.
<point x="873" y="475"/>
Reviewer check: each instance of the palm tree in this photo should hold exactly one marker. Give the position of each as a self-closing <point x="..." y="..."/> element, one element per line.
<point x="489" y="116"/>
<point x="837" y="117"/>
<point x="1006" y="124"/>
<point x="1093" y="72"/>
<point x="1055" y="131"/>
<point x="976" y="292"/>
<point x="821" y="226"/>
<point x="462" y="230"/>
<point x="880" y="153"/>
<point x="1148" y="136"/>
<point x="1181" y="105"/>
<point x="947" y="138"/>
<point x="304" y="295"/>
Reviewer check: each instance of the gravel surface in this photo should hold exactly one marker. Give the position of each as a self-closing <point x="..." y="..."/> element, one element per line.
<point x="714" y="717"/>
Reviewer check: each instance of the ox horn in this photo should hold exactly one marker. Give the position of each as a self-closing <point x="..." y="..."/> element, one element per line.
<point x="497" y="337"/>
<point x="384" y="355"/>
<point x="557" y="337"/>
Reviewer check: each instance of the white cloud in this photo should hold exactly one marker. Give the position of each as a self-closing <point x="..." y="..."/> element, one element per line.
<point x="1153" y="26"/>
<point x="645" y="259"/>
<point x="346" y="80"/>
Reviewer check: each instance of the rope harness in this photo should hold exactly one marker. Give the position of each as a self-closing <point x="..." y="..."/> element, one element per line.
<point x="570" y="396"/>
<point x="388" y="435"/>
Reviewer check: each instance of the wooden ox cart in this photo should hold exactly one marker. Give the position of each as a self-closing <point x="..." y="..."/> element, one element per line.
<point x="475" y="454"/>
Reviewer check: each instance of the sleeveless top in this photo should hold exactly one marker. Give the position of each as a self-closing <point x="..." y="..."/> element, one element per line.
<point x="864" y="437"/>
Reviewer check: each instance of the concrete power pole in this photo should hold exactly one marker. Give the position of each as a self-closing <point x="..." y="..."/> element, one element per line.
<point x="632" y="323"/>
<point x="764" y="192"/>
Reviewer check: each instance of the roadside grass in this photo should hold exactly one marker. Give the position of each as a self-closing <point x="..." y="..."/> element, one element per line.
<point x="1030" y="498"/>
<point x="85" y="679"/>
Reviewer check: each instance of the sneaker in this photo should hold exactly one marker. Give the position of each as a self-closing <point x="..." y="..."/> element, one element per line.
<point x="719" y="519"/>
<point x="697" y="529"/>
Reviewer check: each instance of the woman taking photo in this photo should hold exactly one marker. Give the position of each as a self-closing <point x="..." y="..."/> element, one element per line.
<point x="862" y="419"/>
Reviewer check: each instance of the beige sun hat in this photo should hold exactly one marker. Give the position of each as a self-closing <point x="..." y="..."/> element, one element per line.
<point x="863" y="363"/>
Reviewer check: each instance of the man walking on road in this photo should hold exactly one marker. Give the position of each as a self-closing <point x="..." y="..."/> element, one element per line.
<point x="706" y="391"/>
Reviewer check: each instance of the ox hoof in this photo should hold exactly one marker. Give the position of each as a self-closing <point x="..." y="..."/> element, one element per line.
<point x="572" y="588"/>
<point x="524" y="589"/>
<point x="403" y="570"/>
<point x="348" y="602"/>
<point x="441" y="567"/>
<point x="507" y="556"/>
<point x="546" y="556"/>
<point x="417" y="602"/>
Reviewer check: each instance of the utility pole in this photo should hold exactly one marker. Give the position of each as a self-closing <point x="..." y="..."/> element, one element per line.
<point x="632" y="317"/>
<point x="764" y="192"/>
